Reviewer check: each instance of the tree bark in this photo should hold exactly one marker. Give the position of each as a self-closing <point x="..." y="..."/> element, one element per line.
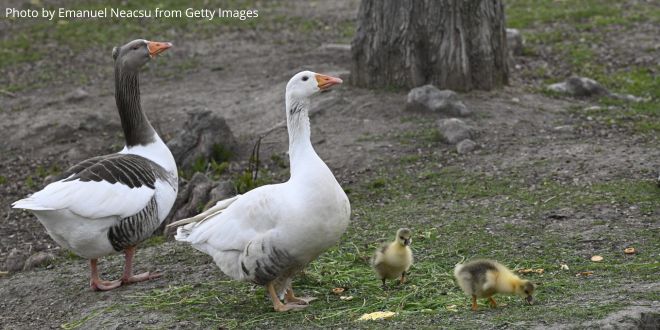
<point x="452" y="44"/>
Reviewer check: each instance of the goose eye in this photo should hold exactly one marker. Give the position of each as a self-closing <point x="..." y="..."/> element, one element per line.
<point x="136" y="47"/>
<point x="304" y="78"/>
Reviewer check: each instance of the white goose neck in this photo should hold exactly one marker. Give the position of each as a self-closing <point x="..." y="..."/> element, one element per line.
<point x="300" y="145"/>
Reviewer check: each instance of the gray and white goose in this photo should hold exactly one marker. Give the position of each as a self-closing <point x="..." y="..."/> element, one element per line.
<point x="108" y="204"/>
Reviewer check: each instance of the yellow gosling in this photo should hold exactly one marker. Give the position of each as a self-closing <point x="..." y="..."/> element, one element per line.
<point x="484" y="278"/>
<point x="393" y="260"/>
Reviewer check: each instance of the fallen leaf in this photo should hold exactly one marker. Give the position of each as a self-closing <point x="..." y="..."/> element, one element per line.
<point x="452" y="308"/>
<point x="346" y="298"/>
<point x="377" y="316"/>
<point x="589" y="273"/>
<point x="630" y="250"/>
<point x="338" y="290"/>
<point x="597" y="258"/>
<point x="531" y="270"/>
<point x="564" y="267"/>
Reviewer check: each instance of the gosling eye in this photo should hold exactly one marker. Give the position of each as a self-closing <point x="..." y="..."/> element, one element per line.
<point x="304" y="78"/>
<point x="401" y="237"/>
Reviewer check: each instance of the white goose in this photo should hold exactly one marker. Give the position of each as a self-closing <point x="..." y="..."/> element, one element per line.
<point x="271" y="233"/>
<point x="110" y="203"/>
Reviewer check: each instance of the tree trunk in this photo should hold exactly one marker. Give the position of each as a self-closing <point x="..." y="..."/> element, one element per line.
<point x="452" y="44"/>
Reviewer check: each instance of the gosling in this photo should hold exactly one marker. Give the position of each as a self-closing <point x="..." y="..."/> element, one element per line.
<point x="484" y="278"/>
<point x="393" y="260"/>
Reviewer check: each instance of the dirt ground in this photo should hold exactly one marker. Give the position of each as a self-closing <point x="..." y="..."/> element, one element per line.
<point x="241" y="75"/>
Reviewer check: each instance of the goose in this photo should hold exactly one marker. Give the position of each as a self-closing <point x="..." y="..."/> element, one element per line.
<point x="108" y="204"/>
<point x="483" y="278"/>
<point x="393" y="260"/>
<point x="269" y="234"/>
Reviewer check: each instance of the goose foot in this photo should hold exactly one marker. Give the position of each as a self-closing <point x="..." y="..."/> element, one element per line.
<point x="288" y="307"/>
<point x="293" y="303"/>
<point x="299" y="300"/>
<point x="100" y="285"/>
<point x="146" y="276"/>
<point x="290" y="298"/>
<point x="97" y="284"/>
<point x="128" y="276"/>
<point x="493" y="303"/>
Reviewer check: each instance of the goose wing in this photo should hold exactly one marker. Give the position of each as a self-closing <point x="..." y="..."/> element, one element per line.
<point x="115" y="185"/>
<point x="248" y="227"/>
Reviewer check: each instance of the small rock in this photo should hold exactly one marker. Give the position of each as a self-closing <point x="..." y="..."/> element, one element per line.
<point x="563" y="128"/>
<point x="335" y="47"/>
<point x="466" y="146"/>
<point x="454" y="130"/>
<point x="429" y="98"/>
<point x="628" y="97"/>
<point x="15" y="260"/>
<point x="191" y="200"/>
<point x="223" y="190"/>
<point x="579" y="86"/>
<point x="39" y="259"/>
<point x="515" y="99"/>
<point x="515" y="41"/>
<point x="201" y="136"/>
<point x="76" y="95"/>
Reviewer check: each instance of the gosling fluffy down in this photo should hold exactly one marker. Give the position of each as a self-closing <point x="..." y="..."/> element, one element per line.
<point x="393" y="260"/>
<point x="484" y="278"/>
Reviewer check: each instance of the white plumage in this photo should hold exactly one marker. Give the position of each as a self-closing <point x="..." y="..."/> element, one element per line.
<point x="270" y="233"/>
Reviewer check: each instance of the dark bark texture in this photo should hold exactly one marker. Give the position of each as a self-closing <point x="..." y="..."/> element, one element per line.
<point x="452" y="44"/>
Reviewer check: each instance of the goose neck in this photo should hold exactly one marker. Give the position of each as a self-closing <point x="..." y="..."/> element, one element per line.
<point x="300" y="145"/>
<point x="136" y="126"/>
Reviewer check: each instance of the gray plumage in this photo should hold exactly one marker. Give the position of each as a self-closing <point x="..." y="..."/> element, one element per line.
<point x="133" y="171"/>
<point x="134" y="229"/>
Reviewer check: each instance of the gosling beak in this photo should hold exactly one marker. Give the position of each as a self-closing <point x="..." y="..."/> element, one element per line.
<point x="156" y="48"/>
<point x="325" y="82"/>
<point x="530" y="299"/>
<point x="406" y="241"/>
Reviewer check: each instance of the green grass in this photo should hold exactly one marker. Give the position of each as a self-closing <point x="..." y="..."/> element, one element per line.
<point x="530" y="13"/>
<point x="79" y="34"/>
<point x="63" y="43"/>
<point x="467" y="215"/>
<point x="576" y="27"/>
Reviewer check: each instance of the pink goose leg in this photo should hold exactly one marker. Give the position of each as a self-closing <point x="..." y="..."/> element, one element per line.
<point x="96" y="283"/>
<point x="128" y="276"/>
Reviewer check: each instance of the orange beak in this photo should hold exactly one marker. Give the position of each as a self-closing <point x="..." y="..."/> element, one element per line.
<point x="325" y="82"/>
<point x="156" y="48"/>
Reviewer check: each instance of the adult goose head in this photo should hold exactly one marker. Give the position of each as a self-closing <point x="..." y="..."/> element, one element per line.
<point x="299" y="89"/>
<point x="129" y="59"/>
